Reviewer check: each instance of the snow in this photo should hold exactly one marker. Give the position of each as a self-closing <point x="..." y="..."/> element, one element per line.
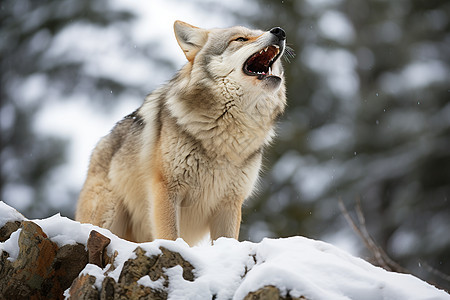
<point x="11" y="246"/>
<point x="310" y="178"/>
<point x="230" y="269"/>
<point x="336" y="26"/>
<point x="330" y="136"/>
<point x="85" y="127"/>
<point x="337" y="66"/>
<point x="147" y="282"/>
<point x="96" y="271"/>
<point x="8" y="214"/>
<point x="414" y="76"/>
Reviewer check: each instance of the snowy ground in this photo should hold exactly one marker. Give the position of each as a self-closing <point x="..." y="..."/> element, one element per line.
<point x="302" y="266"/>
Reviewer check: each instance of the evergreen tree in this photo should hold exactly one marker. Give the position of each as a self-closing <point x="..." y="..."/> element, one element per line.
<point x="28" y="76"/>
<point x="367" y="119"/>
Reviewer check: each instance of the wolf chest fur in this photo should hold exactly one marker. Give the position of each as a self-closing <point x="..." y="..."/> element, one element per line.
<point x="183" y="163"/>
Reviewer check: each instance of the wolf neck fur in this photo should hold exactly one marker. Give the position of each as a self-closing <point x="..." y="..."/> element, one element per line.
<point x="216" y="113"/>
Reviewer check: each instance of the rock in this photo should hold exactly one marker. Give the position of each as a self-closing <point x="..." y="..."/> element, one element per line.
<point x="96" y="245"/>
<point x="42" y="269"/>
<point x="108" y="289"/>
<point x="270" y="292"/>
<point x="68" y="263"/>
<point x="133" y="270"/>
<point x="170" y="259"/>
<point x="7" y="229"/>
<point x="46" y="270"/>
<point x="83" y="288"/>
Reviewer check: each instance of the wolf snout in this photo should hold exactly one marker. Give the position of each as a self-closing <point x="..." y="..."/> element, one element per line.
<point x="279" y="33"/>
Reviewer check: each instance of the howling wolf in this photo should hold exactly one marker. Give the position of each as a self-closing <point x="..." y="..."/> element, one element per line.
<point x="183" y="163"/>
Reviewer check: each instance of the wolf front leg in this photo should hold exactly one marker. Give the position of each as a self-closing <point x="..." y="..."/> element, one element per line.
<point x="226" y="220"/>
<point x="165" y="214"/>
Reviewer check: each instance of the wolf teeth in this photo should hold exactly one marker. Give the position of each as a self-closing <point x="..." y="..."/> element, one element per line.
<point x="267" y="48"/>
<point x="264" y="50"/>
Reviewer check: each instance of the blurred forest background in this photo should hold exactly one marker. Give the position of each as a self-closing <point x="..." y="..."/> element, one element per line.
<point x="368" y="116"/>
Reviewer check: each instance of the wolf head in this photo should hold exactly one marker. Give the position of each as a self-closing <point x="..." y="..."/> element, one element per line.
<point x="232" y="89"/>
<point x="250" y="57"/>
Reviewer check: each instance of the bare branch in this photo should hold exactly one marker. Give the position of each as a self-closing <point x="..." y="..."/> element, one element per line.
<point x="351" y="222"/>
<point x="435" y="272"/>
<point x="380" y="256"/>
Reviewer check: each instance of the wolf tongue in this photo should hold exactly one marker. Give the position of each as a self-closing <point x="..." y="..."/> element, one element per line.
<point x="258" y="63"/>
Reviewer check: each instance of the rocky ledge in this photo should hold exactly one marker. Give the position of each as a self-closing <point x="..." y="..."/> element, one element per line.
<point x="58" y="258"/>
<point x="44" y="270"/>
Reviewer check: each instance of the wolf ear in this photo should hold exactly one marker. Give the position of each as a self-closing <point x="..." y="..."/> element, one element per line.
<point x="190" y="38"/>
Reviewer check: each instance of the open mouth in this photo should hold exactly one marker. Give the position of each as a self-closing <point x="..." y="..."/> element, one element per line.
<point x="260" y="63"/>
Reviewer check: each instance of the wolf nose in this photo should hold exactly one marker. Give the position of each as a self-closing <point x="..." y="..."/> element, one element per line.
<point x="279" y="33"/>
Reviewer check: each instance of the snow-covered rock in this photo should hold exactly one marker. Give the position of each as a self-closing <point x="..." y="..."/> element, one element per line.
<point x="290" y="268"/>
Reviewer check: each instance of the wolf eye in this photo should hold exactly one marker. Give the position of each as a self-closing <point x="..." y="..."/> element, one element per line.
<point x="241" y="39"/>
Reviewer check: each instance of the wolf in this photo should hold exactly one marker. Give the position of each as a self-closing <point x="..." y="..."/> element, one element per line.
<point x="183" y="163"/>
